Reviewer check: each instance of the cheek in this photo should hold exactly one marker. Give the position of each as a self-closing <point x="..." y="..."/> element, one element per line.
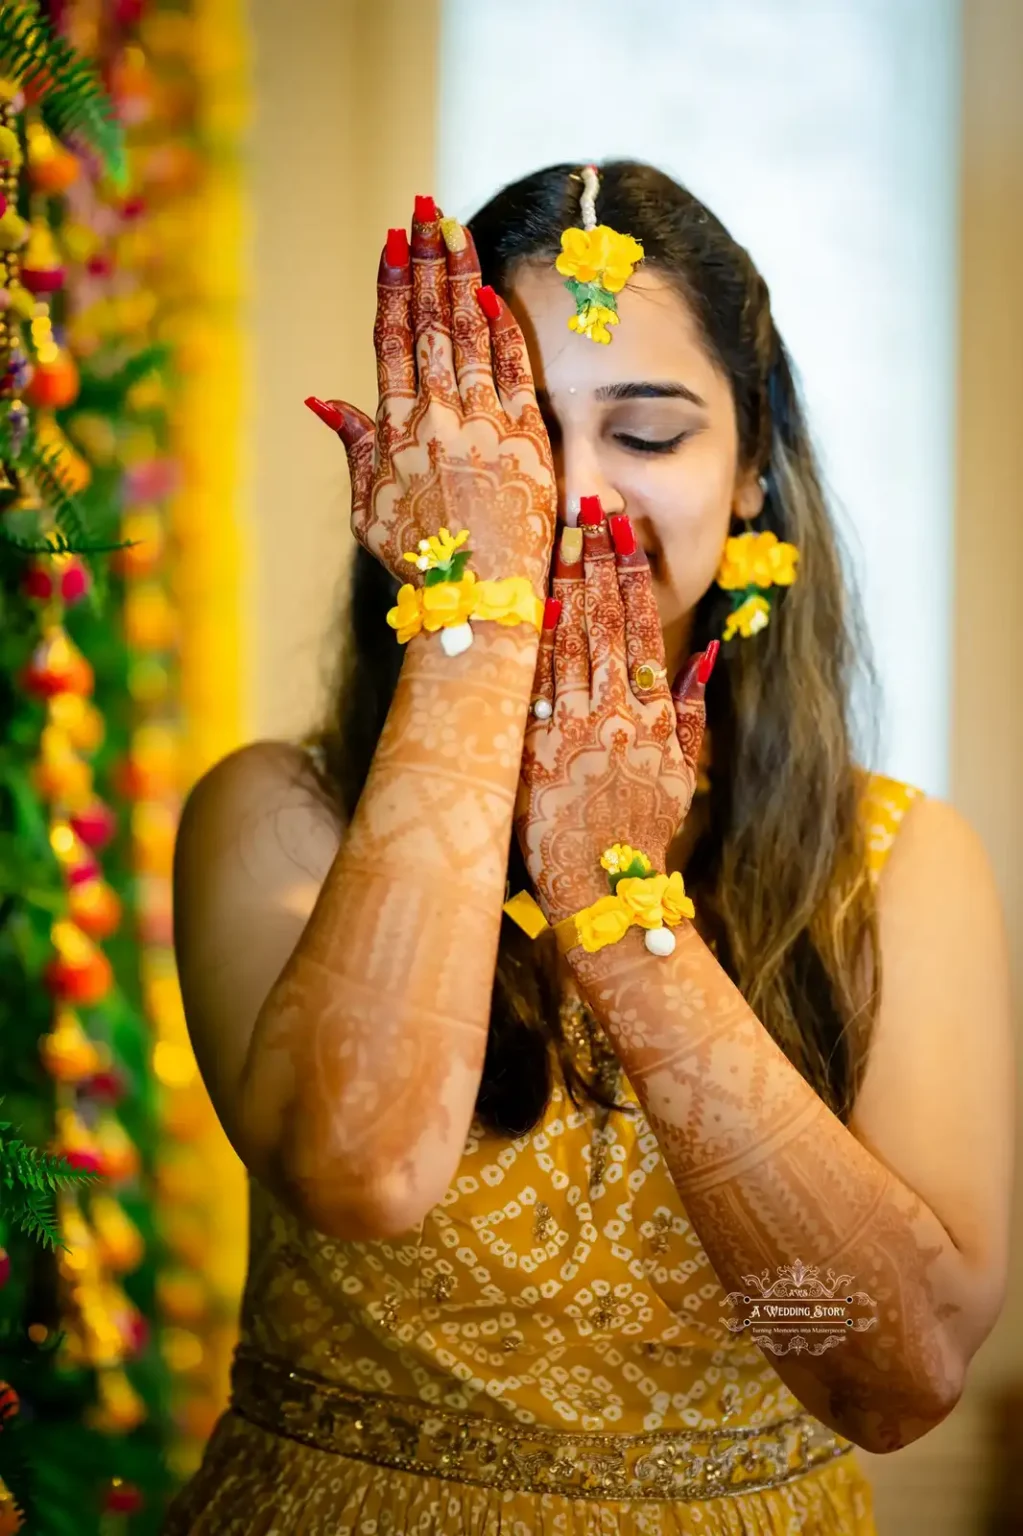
<point x="691" y="516"/>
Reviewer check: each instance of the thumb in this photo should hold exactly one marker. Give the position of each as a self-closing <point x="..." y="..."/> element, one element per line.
<point x="350" y="424"/>
<point x="356" y="431"/>
<point x="687" y="695"/>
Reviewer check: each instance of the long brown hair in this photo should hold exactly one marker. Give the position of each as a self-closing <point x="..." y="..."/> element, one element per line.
<point x="780" y="872"/>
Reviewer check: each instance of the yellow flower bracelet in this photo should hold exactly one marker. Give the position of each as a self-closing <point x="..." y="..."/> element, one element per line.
<point x="451" y="596"/>
<point x="639" y="898"/>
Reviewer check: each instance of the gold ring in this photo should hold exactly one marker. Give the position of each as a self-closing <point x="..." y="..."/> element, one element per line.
<point x="647" y="675"/>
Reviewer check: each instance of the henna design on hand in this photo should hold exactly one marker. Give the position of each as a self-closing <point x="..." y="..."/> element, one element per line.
<point x="459" y="440"/>
<point x="607" y="766"/>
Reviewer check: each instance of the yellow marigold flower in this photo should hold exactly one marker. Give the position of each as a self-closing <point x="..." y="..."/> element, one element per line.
<point x="600" y="256"/>
<point x="643" y="899"/>
<point x="448" y="602"/>
<point x="605" y="922"/>
<point x="407" y="617"/>
<point x="750" y="619"/>
<point x="757" y="560"/>
<point x="509" y="601"/>
<point x="619" y="856"/>
<point x="675" y="902"/>
<point x="593" y="321"/>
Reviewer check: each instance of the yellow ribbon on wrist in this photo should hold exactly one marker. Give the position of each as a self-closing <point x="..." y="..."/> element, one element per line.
<point x="639" y="899"/>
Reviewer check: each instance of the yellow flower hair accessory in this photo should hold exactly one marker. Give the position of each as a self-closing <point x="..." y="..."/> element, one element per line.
<point x="751" y="564"/>
<point x="639" y="898"/>
<point x="450" y="595"/>
<point x="597" y="262"/>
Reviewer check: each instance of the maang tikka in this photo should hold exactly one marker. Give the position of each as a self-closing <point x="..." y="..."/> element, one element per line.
<point x="597" y="262"/>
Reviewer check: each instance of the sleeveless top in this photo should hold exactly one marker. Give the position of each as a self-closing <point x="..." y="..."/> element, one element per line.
<point x="547" y="1352"/>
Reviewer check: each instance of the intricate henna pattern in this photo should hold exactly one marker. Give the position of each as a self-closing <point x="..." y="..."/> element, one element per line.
<point x="769" y="1175"/>
<point x="459" y="440"/>
<point x="375" y="1032"/>
<point x="367" y="1053"/>
<point x="607" y="766"/>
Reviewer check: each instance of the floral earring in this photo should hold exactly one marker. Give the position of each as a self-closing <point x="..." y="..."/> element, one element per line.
<point x="752" y="563"/>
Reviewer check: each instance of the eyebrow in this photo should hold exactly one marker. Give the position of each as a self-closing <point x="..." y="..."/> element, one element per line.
<point x="645" y="391"/>
<point x="638" y="390"/>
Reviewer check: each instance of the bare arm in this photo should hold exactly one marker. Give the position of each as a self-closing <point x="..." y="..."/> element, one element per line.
<point x="348" y="1078"/>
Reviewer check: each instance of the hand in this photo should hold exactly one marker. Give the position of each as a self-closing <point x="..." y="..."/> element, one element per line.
<point x="615" y="762"/>
<point x="459" y="441"/>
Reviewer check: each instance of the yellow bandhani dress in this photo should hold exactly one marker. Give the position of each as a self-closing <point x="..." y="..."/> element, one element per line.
<point x="545" y="1355"/>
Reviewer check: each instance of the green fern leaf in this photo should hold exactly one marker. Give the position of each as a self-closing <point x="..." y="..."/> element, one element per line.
<point x="73" y="101"/>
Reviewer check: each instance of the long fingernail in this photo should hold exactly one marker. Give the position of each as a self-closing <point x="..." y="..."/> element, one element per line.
<point x="397" y="254"/>
<point x="488" y="301"/>
<point x="623" y="534"/>
<point x="551" y="612"/>
<point x="707" y="662"/>
<point x="591" y="513"/>
<point x="426" y="210"/>
<point x="328" y="413"/>
<point x="454" y="236"/>
<point x="568" y="557"/>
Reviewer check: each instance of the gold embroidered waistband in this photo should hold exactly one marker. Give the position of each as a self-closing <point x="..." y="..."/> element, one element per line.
<point x="469" y="1448"/>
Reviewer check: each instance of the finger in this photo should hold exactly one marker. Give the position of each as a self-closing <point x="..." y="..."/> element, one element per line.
<point x="431" y="306"/>
<point x="542" y="704"/>
<point x="688" y="695"/>
<point x="571" y="653"/>
<point x="644" y="642"/>
<point x="605" y="615"/>
<point x="392" y="331"/>
<point x="470" y="334"/>
<point x="356" y="432"/>
<point x="512" y="372"/>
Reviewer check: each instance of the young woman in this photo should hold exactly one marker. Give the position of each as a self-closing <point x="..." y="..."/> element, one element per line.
<point x="509" y="1192"/>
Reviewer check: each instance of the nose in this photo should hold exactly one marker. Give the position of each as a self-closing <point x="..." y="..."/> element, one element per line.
<point x="580" y="472"/>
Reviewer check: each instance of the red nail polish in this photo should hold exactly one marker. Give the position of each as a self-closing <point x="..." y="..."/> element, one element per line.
<point x="623" y="534"/>
<point x="591" y="514"/>
<point x="488" y="301"/>
<point x="328" y="413"/>
<point x="706" y="666"/>
<point x="551" y="612"/>
<point x="397" y="248"/>
<point x="426" y="210"/>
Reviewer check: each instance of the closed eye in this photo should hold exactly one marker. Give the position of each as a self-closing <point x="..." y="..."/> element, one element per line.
<point x="650" y="445"/>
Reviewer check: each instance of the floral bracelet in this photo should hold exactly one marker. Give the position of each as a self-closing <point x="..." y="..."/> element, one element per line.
<point x="450" y="596"/>
<point x="639" y="898"/>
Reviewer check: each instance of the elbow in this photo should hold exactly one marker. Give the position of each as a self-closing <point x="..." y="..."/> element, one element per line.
<point x="353" y="1205"/>
<point x="899" y="1419"/>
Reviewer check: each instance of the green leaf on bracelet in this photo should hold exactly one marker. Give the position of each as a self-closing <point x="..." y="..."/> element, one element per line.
<point x="635" y="871"/>
<point x="452" y="571"/>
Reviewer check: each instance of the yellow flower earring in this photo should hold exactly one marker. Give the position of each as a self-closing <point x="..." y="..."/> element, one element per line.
<point x="751" y="564"/>
<point x="597" y="262"/>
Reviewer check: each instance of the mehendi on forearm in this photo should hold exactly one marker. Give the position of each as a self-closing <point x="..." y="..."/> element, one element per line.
<point x="378" y="1022"/>
<point x="768" y="1175"/>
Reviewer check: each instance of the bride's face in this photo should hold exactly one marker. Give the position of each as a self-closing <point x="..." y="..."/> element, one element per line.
<point x="647" y="423"/>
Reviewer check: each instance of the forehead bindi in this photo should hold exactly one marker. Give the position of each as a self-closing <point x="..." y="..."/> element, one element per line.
<point x="656" y="337"/>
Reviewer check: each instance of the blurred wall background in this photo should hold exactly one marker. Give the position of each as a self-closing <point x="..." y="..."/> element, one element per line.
<point x="870" y="153"/>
